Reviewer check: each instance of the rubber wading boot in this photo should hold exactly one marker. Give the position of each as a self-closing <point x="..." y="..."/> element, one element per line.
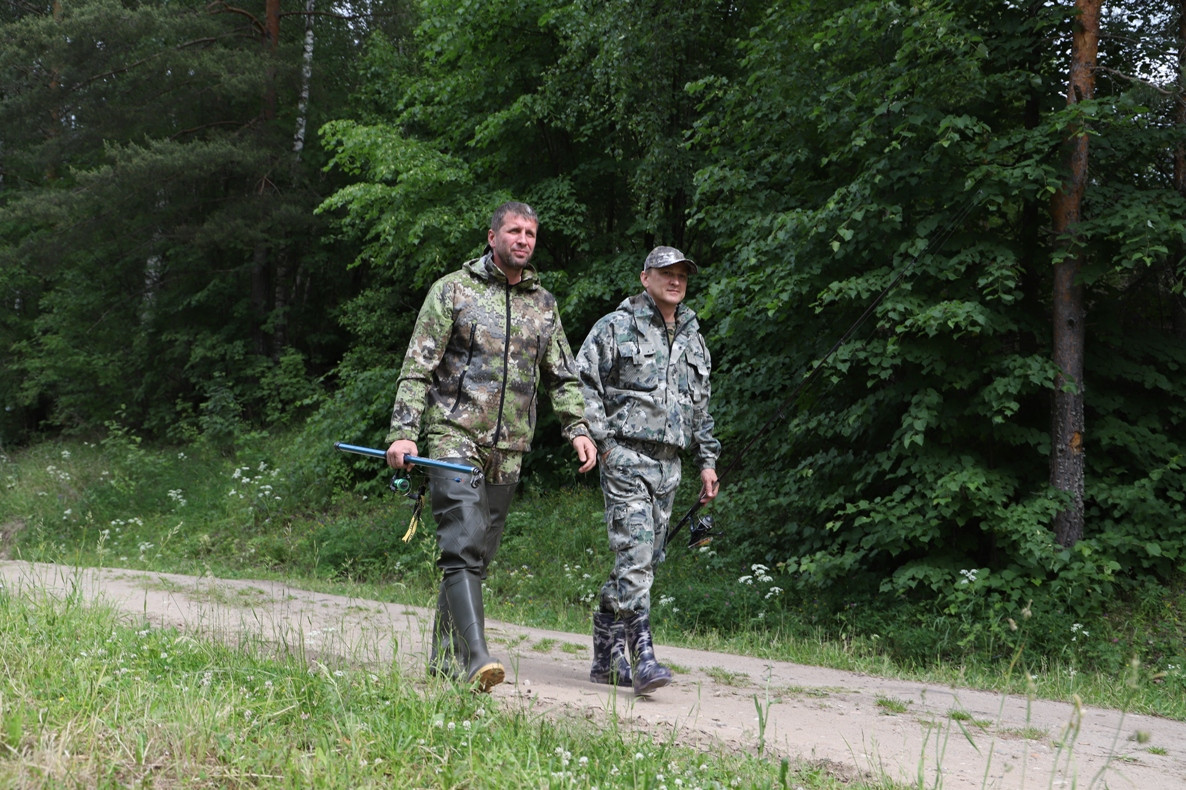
<point x="609" y="651"/>
<point x="648" y="674"/>
<point x="463" y="594"/>
<point x="442" y="661"/>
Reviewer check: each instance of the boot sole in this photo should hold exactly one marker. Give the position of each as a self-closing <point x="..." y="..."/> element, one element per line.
<point x="488" y="676"/>
<point x="655" y="684"/>
<point x="606" y="679"/>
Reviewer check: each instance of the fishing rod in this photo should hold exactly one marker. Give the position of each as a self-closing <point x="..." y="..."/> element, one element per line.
<point x="474" y="472"/>
<point x="701" y="528"/>
<point x="401" y="484"/>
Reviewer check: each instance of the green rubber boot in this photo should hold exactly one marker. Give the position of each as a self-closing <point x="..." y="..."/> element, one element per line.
<point x="463" y="595"/>
<point x="442" y="661"/>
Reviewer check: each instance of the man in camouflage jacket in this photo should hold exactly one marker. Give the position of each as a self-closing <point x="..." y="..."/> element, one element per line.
<point x="645" y="373"/>
<point x="487" y="337"/>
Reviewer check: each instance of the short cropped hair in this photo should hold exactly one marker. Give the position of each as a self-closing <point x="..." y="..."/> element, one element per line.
<point x="511" y="207"/>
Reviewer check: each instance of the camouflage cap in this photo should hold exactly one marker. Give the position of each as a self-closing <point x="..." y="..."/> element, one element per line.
<point x="661" y="257"/>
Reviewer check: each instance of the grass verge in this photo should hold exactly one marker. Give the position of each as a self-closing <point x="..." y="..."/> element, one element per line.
<point x="193" y="510"/>
<point x="92" y="701"/>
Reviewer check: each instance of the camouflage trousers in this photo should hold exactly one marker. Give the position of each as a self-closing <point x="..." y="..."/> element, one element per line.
<point x="638" y="480"/>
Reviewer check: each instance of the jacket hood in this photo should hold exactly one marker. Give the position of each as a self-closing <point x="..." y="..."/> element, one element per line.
<point x="643" y="308"/>
<point x="484" y="269"/>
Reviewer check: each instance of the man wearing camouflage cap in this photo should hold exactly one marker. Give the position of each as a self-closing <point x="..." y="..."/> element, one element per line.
<point x="488" y="335"/>
<point x="644" y="370"/>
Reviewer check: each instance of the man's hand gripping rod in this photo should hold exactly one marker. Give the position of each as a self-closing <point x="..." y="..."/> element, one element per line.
<point x="401" y="484"/>
<point x="474" y="472"/>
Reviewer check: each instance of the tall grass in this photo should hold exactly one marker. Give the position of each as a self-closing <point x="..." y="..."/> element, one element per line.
<point x="195" y="510"/>
<point x="91" y="701"/>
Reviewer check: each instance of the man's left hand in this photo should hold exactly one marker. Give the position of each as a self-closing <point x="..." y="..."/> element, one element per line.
<point x="709" y="486"/>
<point x="586" y="452"/>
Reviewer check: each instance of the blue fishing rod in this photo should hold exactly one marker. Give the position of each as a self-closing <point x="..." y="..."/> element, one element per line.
<point x="401" y="484"/>
<point x="474" y="472"/>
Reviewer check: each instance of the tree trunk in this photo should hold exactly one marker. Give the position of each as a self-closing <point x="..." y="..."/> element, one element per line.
<point x="1180" y="104"/>
<point x="272" y="43"/>
<point x="281" y="294"/>
<point x="302" y="121"/>
<point x="259" y="297"/>
<point x="1177" y="301"/>
<point x="1067" y="450"/>
<point x="261" y="269"/>
<point x="55" y="115"/>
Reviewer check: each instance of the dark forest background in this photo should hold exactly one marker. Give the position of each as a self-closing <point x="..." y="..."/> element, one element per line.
<point x="221" y="219"/>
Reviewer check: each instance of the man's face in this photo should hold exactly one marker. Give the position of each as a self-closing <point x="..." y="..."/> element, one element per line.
<point x="513" y="243"/>
<point x="667" y="286"/>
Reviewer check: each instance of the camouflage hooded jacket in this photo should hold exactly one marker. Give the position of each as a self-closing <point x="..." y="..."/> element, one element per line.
<point x="480" y="350"/>
<point x="638" y="387"/>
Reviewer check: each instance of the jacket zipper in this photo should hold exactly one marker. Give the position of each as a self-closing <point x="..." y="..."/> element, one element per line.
<point x="506" y="362"/>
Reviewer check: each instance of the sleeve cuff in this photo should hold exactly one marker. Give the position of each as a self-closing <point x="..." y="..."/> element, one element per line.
<point x="402" y="432"/>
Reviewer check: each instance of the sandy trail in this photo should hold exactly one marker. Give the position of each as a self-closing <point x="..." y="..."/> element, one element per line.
<point x="816" y="714"/>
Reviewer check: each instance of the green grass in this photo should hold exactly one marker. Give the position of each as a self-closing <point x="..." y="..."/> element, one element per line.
<point x="725" y="677"/>
<point x="91" y="701"/>
<point x="964" y="716"/>
<point x="1025" y="733"/>
<point x="892" y="705"/>
<point x="120" y="503"/>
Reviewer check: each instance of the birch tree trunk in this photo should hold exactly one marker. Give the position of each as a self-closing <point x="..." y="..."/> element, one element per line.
<point x="282" y="287"/>
<point x="302" y="120"/>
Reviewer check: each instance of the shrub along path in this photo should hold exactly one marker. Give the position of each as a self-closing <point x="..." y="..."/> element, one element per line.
<point x="854" y="725"/>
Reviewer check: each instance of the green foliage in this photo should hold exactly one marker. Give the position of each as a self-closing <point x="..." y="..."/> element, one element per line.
<point x="221" y="415"/>
<point x="412" y="204"/>
<point x="287" y="389"/>
<point x="597" y="151"/>
<point x="163" y="237"/>
<point x="353" y="413"/>
<point x="170" y="269"/>
<point x="921" y="449"/>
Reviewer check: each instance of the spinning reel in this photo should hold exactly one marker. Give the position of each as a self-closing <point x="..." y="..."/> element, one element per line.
<point x="701" y="532"/>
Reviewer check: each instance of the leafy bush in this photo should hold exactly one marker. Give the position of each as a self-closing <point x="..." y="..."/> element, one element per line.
<point x="355" y="413"/>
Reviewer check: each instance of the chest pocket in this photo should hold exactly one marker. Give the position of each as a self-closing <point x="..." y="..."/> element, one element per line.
<point x="639" y="367"/>
<point x="695" y="380"/>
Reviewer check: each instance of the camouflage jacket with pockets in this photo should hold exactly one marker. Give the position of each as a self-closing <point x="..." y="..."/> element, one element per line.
<point x="479" y="352"/>
<point x="638" y="387"/>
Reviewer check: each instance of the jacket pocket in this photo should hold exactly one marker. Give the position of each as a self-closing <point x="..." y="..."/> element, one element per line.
<point x="638" y="367"/>
<point x="469" y="358"/>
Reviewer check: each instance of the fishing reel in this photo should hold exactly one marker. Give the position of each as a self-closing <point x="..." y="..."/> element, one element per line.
<point x="701" y="532"/>
<point x="401" y="484"/>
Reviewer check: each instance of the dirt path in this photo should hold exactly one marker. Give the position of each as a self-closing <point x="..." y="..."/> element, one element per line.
<point x="839" y="718"/>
